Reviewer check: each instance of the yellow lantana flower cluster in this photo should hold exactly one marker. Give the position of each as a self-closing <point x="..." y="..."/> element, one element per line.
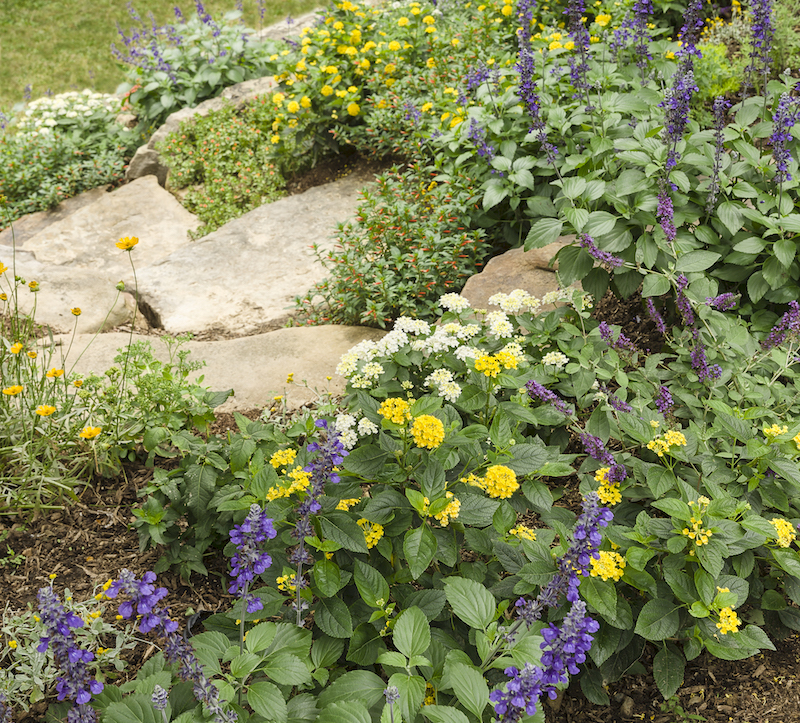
<point x="610" y="566"/>
<point x="286" y="583"/>
<point x="450" y="512"/>
<point x="698" y="533"/>
<point x="396" y="410"/>
<point x="661" y="444"/>
<point x="729" y="621"/>
<point x="608" y="492"/>
<point x="428" y="431"/>
<point x="300" y="480"/>
<point x="774" y="431"/>
<point x="522" y="532"/>
<point x="282" y="458"/>
<point x="784" y="531"/>
<point x="372" y="532"/>
<point x="492" y="365"/>
<point x="345" y="505"/>
<point x="500" y="482"/>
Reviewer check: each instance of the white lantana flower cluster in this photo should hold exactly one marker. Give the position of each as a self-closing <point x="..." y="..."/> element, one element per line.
<point x="555" y="358"/>
<point x="69" y="110"/>
<point x="349" y="430"/>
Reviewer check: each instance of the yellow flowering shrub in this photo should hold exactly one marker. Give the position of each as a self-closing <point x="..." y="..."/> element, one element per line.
<point x="500" y="482"/>
<point x="729" y="621"/>
<point x="608" y="492"/>
<point x="282" y="458"/>
<point x="450" y="512"/>
<point x="522" y="532"/>
<point x="345" y="505"/>
<point x="661" y="444"/>
<point x="785" y="533"/>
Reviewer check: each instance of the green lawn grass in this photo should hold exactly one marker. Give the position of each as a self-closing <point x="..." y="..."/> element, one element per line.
<point x="62" y="45"/>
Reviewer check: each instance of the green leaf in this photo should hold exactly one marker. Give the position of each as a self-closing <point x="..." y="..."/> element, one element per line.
<point x="526" y="458"/>
<point x="658" y="619"/>
<point x="366" y="461"/>
<point x="674" y="508"/>
<point x="345" y="712"/>
<point x="600" y="223"/>
<point x="477" y="510"/>
<point x="419" y="547"/>
<point x="393" y="659"/>
<point x="757" y="286"/>
<point x="327" y="578"/>
<point x="785" y="250"/>
<point x="365" y="645"/>
<point x="443" y="714"/>
<point x="325" y="651"/>
<point x="573" y="186"/>
<point x="260" y="637"/>
<point x="342" y="528"/>
<point x="267" y="700"/>
<point x="431" y="602"/>
<point x="381" y="508"/>
<point x="545" y="231"/>
<point x="371" y="585"/>
<point x="576" y="217"/>
<point x="287" y="669"/>
<point x="655" y="285"/>
<point x="788" y="561"/>
<point x="601" y="595"/>
<point x="495" y="192"/>
<point x="412" y="632"/>
<point x="412" y="693"/>
<point x="730" y="215"/>
<point x="788" y="470"/>
<point x="356" y="685"/>
<point x="696" y="261"/>
<point x="668" y="667"/>
<point x="469" y="686"/>
<point x="136" y="708"/>
<point x="333" y="617"/>
<point x="573" y="264"/>
<point x="470" y="601"/>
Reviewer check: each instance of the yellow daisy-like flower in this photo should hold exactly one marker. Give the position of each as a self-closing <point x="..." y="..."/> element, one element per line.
<point x="784" y="531"/>
<point x="507" y="10"/>
<point x="402" y="22"/>
<point x="90" y="432"/>
<point x="610" y="566"/>
<point x="555" y="45"/>
<point x="293" y="106"/>
<point x="32" y="354"/>
<point x="500" y="482"/>
<point x="428" y="20"/>
<point x="33" y="285"/>
<point x="394" y="45"/>
<point x="278" y="98"/>
<point x="76" y="311"/>
<point x="126" y="243"/>
<point x="353" y="109"/>
<point x="603" y="20"/>
<point x="372" y="532"/>
<point x="326" y="90"/>
<point x="345" y="505"/>
<point x="729" y="621"/>
<point x="3" y="268"/>
<point x="521" y="531"/>
<point x="16" y="348"/>
<point x="3" y="297"/>
<point x="455" y="42"/>
<point x="428" y="431"/>
<point x="45" y="410"/>
<point x="78" y="383"/>
<point x="305" y="102"/>
<point x="669" y="55"/>
<point x="396" y="410"/>
<point x="13" y="390"/>
<point x="54" y="373"/>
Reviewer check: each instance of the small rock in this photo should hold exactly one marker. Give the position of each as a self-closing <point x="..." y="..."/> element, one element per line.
<point x="626" y="708"/>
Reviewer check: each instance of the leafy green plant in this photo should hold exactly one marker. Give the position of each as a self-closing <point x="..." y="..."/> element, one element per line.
<point x="176" y="66"/>
<point x="406" y="244"/>
<point x="224" y="161"/>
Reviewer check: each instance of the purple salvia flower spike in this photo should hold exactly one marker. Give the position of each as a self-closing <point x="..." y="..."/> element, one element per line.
<point x="604" y="257"/>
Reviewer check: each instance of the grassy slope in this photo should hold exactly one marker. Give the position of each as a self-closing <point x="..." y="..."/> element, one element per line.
<point x="59" y="45"/>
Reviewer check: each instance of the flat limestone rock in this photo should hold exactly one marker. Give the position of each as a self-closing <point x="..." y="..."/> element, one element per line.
<point x="256" y="367"/>
<point x="86" y="239"/>
<point x="246" y="274"/>
<point x="515" y="269"/>
<point x="33" y="223"/>
<point x="62" y="289"/>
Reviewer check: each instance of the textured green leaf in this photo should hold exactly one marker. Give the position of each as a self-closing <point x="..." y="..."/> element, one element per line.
<point x="658" y="619"/>
<point x="419" y="547"/>
<point x="345" y="712"/>
<point x="668" y="667"/>
<point x="412" y="632"/>
<point x="266" y="700"/>
<point x="333" y="618"/>
<point x="371" y="585"/>
<point x="470" y="601"/>
<point x="469" y="686"/>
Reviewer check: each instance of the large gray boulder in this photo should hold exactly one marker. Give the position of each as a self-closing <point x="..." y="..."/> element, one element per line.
<point x="255" y="367"/>
<point x="243" y="277"/>
<point x="87" y="238"/>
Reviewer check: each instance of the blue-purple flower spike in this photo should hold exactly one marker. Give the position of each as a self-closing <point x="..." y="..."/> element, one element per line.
<point x="76" y="683"/>
<point x="250" y="560"/>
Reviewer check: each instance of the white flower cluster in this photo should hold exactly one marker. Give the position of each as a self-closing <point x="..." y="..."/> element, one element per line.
<point x="555" y="358"/>
<point x="349" y="431"/>
<point x="517" y="302"/>
<point x="41" y="115"/>
<point x="454" y="302"/>
<point x="499" y="325"/>
<point x="443" y="379"/>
